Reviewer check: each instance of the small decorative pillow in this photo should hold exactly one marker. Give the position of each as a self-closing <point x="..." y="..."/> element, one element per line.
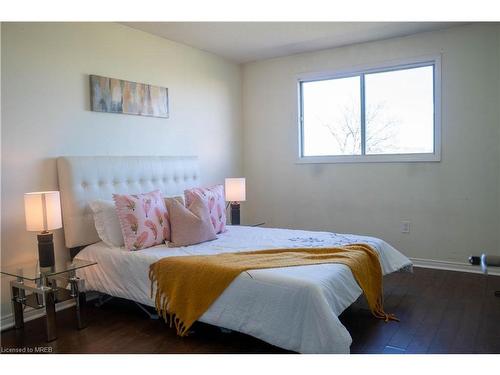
<point x="190" y="225"/>
<point x="107" y="223"/>
<point x="143" y="219"/>
<point x="214" y="197"/>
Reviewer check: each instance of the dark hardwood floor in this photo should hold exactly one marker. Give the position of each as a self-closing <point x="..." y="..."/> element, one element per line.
<point x="440" y="312"/>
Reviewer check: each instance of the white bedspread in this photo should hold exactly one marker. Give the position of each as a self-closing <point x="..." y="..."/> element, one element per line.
<point x="294" y="308"/>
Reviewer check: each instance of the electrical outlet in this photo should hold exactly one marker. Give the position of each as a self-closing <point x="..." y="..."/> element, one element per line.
<point x="405" y="226"/>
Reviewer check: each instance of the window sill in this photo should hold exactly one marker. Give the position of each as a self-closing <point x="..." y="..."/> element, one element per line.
<point x="395" y="158"/>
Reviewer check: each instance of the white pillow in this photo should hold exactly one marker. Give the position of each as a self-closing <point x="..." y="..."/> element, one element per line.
<point x="107" y="223"/>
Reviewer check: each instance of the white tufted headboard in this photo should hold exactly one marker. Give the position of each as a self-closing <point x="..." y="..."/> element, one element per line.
<point x="86" y="178"/>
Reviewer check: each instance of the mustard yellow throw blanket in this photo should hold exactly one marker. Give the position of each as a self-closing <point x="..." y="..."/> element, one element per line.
<point x="186" y="286"/>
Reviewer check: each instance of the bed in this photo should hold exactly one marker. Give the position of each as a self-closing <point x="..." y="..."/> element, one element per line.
<point x="294" y="308"/>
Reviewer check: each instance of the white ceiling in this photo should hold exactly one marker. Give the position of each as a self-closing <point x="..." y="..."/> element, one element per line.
<point x="243" y="42"/>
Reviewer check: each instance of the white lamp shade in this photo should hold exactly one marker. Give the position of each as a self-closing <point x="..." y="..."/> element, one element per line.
<point x="235" y="190"/>
<point x="42" y="210"/>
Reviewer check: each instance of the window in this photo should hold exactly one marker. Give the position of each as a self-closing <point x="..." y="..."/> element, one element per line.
<point x="383" y="114"/>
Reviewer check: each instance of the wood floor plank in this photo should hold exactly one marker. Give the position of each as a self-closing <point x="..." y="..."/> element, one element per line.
<point x="380" y="331"/>
<point x="410" y="323"/>
<point x="435" y="304"/>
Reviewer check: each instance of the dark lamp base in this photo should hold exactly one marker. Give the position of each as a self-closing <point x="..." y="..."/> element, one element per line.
<point x="46" y="249"/>
<point x="235" y="213"/>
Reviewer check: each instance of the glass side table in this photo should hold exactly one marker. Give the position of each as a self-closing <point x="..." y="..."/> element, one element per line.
<point x="37" y="287"/>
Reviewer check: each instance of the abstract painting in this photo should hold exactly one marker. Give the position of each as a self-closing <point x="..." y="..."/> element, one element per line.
<point x="119" y="96"/>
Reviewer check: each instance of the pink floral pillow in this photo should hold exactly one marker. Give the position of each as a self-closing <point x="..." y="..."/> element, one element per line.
<point x="143" y="218"/>
<point x="214" y="197"/>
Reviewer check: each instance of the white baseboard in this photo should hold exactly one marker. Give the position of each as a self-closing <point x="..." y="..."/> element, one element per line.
<point x="7" y="321"/>
<point x="452" y="266"/>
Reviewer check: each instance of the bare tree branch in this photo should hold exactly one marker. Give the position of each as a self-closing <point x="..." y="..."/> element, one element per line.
<point x="347" y="130"/>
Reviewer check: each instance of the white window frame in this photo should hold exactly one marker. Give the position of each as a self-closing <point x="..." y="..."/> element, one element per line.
<point x="360" y="71"/>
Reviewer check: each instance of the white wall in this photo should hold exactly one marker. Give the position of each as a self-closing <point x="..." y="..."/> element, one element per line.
<point x="453" y="205"/>
<point x="46" y="113"/>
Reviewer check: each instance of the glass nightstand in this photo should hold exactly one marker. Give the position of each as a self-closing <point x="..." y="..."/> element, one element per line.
<point x="37" y="287"/>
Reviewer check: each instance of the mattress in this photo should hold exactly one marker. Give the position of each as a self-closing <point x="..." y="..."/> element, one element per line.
<point x="295" y="308"/>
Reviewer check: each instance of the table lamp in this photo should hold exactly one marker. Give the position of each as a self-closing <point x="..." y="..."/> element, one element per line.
<point x="43" y="214"/>
<point x="235" y="193"/>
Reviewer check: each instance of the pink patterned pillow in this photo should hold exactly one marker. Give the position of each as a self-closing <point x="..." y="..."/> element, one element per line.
<point x="143" y="218"/>
<point x="214" y="197"/>
<point x="190" y="225"/>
